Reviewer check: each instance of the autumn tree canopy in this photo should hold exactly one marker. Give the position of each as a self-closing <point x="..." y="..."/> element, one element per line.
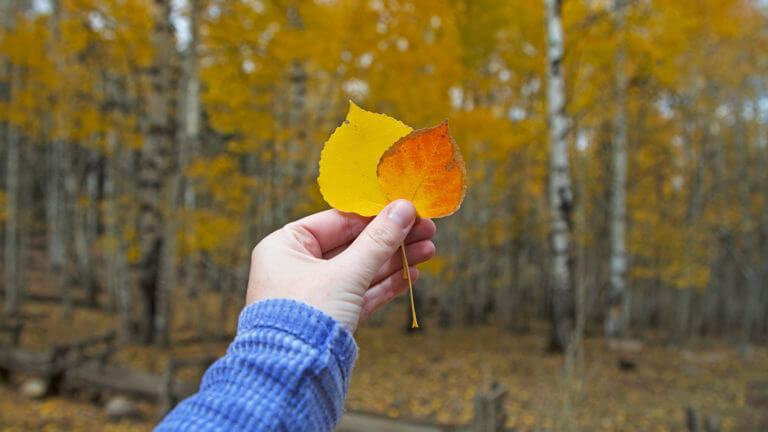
<point x="203" y="123"/>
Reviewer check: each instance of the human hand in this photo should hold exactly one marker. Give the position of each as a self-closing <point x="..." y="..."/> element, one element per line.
<point x="341" y="263"/>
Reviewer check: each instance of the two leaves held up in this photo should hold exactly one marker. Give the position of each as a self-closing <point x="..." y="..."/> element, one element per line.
<point x="373" y="159"/>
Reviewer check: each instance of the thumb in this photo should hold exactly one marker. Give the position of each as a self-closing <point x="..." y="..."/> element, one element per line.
<point x="380" y="239"/>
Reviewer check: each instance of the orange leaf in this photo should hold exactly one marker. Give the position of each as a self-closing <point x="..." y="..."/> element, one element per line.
<point x="426" y="168"/>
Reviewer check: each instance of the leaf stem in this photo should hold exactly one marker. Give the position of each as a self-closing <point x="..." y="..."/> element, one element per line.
<point x="407" y="275"/>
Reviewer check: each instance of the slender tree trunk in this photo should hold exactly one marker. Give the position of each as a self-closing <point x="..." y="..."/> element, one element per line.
<point x="617" y="315"/>
<point x="289" y="111"/>
<point x="117" y="266"/>
<point x="297" y="109"/>
<point x="70" y="226"/>
<point x="297" y="120"/>
<point x="763" y="158"/>
<point x="682" y="315"/>
<point x="57" y="222"/>
<point x="168" y="278"/>
<point x="477" y="262"/>
<point x="154" y="165"/>
<point x="574" y="356"/>
<point x="449" y="300"/>
<point x="84" y="230"/>
<point x="26" y="204"/>
<point x="560" y="195"/>
<point x="191" y="143"/>
<point x="11" y="149"/>
<point x="522" y="323"/>
<point x="506" y="306"/>
<point x="748" y="230"/>
<point x="61" y="184"/>
<point x="11" y="253"/>
<point x="290" y="176"/>
<point x="722" y="264"/>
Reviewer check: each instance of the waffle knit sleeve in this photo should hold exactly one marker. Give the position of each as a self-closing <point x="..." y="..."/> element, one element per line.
<point x="288" y="369"/>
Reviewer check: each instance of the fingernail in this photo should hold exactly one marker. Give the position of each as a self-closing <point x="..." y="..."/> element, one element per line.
<point x="401" y="211"/>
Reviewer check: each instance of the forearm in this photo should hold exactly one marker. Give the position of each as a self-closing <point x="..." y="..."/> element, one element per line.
<point x="287" y="369"/>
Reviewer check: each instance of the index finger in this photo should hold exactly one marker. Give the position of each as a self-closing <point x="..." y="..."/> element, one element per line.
<point x="333" y="228"/>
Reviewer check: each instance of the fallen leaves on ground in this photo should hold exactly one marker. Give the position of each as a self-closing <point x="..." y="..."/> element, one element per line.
<point x="433" y="375"/>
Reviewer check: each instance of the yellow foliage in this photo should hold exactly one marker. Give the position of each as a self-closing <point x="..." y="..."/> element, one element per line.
<point x="274" y="75"/>
<point x="435" y="265"/>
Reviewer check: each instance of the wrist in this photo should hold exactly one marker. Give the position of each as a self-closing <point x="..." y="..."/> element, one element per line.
<point x="302" y="321"/>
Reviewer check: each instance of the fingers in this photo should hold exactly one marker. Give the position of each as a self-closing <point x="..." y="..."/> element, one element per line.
<point x="417" y="253"/>
<point x="423" y="229"/>
<point x="379" y="240"/>
<point x="384" y="291"/>
<point x="331" y="228"/>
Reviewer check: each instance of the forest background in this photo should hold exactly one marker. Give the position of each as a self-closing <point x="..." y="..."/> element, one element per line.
<point x="617" y="159"/>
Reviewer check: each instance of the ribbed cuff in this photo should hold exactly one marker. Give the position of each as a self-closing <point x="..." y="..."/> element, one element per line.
<point x="303" y="321"/>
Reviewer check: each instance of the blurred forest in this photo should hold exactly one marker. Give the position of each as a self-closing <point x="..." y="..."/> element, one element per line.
<point x="617" y="159"/>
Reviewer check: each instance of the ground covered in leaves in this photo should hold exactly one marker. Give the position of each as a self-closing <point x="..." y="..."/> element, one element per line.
<point x="432" y="375"/>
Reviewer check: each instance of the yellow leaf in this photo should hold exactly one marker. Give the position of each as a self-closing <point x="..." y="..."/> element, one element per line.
<point x="348" y="163"/>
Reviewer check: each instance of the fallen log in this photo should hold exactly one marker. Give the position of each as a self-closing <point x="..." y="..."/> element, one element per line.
<point x="50" y="298"/>
<point x="49" y="366"/>
<point x="118" y="380"/>
<point x="52" y="365"/>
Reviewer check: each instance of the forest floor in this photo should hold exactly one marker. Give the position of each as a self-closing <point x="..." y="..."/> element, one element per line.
<point x="432" y="375"/>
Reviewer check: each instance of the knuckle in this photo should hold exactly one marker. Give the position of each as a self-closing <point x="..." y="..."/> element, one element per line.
<point x="348" y="227"/>
<point x="300" y="235"/>
<point x="381" y="236"/>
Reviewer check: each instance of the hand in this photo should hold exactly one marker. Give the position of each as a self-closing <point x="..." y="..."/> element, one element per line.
<point x="343" y="264"/>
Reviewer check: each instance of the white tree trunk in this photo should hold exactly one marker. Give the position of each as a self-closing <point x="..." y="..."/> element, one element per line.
<point x="190" y="143"/>
<point x="152" y="173"/>
<point x="560" y="195"/>
<point x="617" y="313"/>
<point x="60" y="188"/>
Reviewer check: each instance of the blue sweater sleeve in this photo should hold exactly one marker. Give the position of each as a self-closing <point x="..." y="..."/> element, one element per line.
<point x="288" y="369"/>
